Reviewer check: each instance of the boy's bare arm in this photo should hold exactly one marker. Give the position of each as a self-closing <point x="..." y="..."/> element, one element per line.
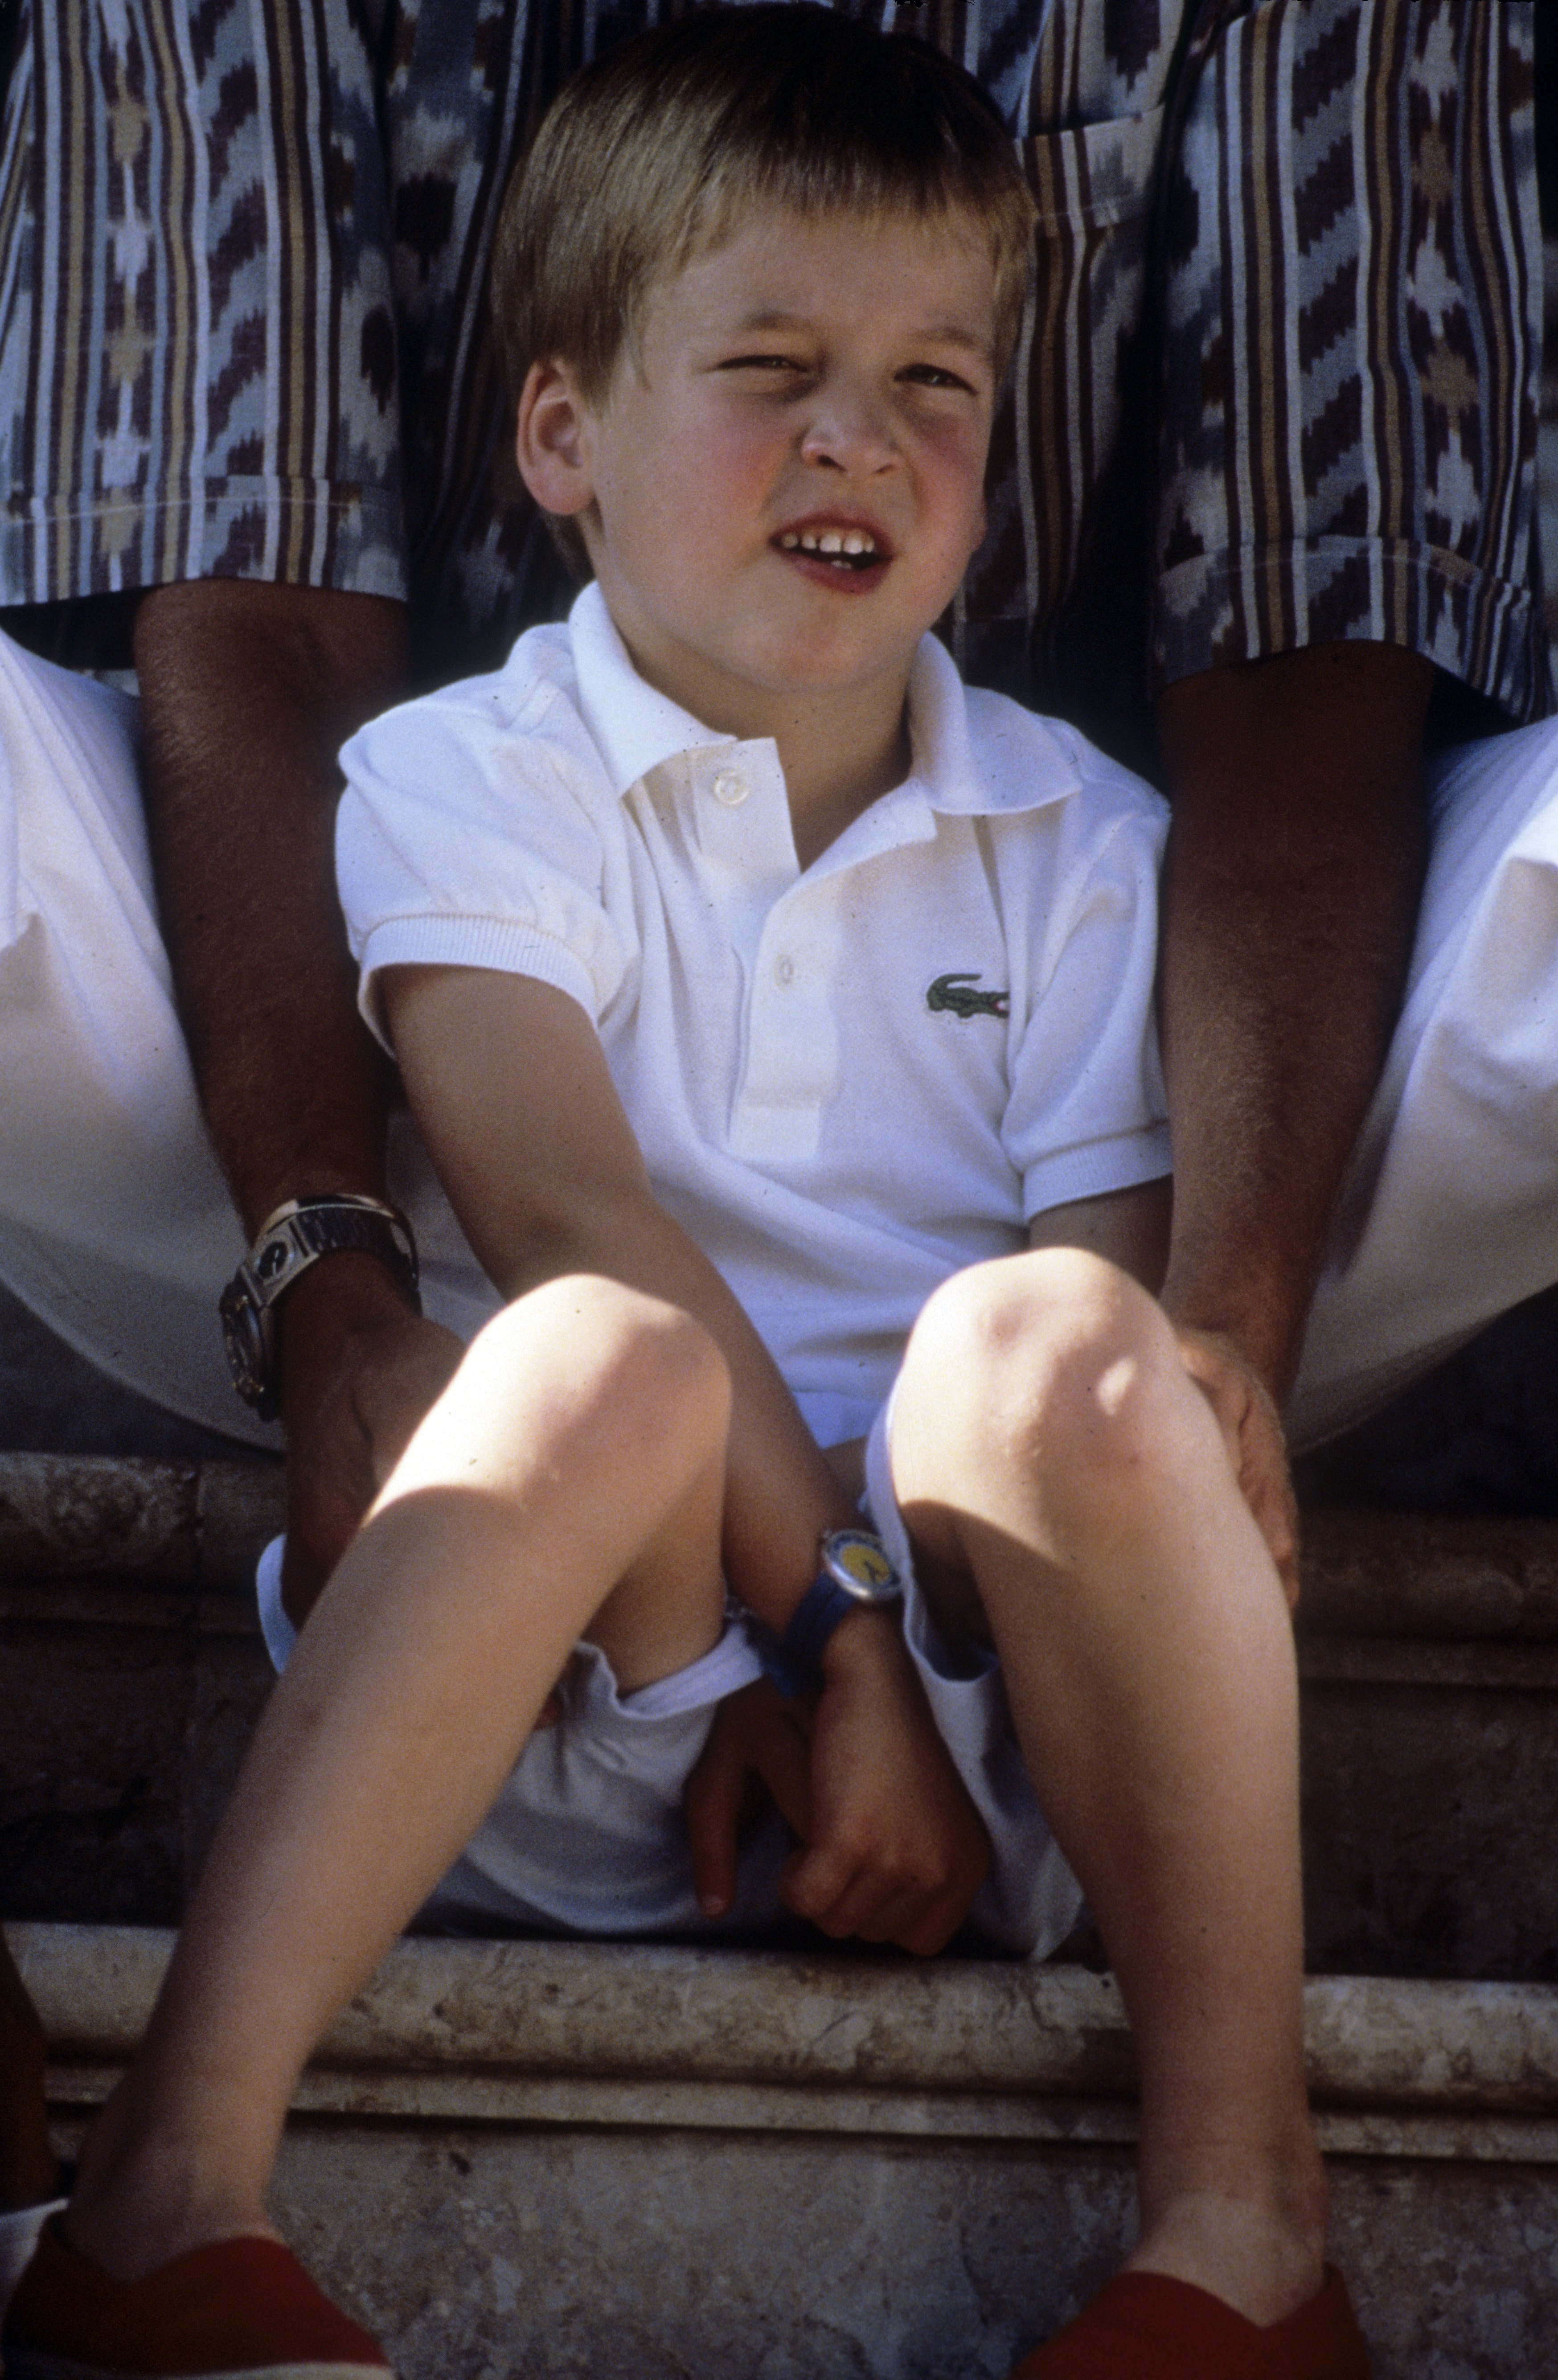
<point x="516" y="1105"/>
<point x="515" y="1100"/>
<point x="1128" y="1227"/>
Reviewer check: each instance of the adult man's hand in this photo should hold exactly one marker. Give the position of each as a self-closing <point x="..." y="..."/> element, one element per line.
<point x="359" y="1371"/>
<point x="1252" y="1433"/>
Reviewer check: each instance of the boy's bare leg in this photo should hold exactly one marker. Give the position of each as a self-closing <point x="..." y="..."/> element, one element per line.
<point x="1048" y="1443"/>
<point x="571" y="1472"/>
<point x="29" y="2169"/>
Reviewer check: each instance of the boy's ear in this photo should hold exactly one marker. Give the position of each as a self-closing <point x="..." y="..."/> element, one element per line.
<point x="549" y="440"/>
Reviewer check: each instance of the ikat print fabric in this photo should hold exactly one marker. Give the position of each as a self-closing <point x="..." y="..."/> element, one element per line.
<point x="1277" y="381"/>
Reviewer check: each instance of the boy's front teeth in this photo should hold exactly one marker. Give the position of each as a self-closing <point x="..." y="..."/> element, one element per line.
<point x="844" y="545"/>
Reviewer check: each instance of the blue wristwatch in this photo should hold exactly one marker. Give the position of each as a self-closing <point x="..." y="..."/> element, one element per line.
<point x="856" y="1570"/>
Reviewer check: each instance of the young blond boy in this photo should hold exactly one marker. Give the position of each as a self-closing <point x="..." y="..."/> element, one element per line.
<point x="778" y="1018"/>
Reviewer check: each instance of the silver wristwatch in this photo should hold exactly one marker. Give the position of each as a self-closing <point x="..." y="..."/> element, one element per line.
<point x="288" y="1242"/>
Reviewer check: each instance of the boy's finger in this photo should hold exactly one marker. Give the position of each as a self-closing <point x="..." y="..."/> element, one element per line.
<point x="893" y="1916"/>
<point x="712" y="1800"/>
<point x="784" y="1760"/>
<point x="931" y="1928"/>
<point x="815" y="1882"/>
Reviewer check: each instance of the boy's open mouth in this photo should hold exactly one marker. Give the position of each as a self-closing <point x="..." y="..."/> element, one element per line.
<point x="847" y="549"/>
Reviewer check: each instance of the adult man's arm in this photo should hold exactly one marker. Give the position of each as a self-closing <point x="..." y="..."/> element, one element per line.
<point x="247" y="691"/>
<point x="1348" y="417"/>
<point x="1295" y="863"/>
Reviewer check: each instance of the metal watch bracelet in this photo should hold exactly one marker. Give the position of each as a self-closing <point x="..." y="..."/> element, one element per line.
<point x="289" y="1241"/>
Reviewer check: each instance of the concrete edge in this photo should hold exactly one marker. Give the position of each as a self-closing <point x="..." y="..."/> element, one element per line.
<point x="173" y="1524"/>
<point x="578" y="2104"/>
<point x="590" y="2014"/>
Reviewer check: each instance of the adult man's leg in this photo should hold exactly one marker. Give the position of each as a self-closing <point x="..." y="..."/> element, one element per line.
<point x="1449" y="1214"/>
<point x="116" y="1225"/>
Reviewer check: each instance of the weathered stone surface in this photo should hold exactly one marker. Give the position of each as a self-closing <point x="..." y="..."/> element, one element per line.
<point x="770" y="2259"/>
<point x="127" y="1517"/>
<point x="119" y="1745"/>
<point x="653" y="2013"/>
<point x="72" y="1515"/>
<point x="1430" y="1762"/>
<point x="1428" y="1817"/>
<point x="1407" y="1575"/>
<point x="90" y="1823"/>
<point x="480" y="2253"/>
<point x="241" y="1507"/>
<point x="1421" y="1574"/>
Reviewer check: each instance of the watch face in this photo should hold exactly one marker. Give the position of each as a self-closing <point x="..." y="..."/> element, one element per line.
<point x="858" y="1560"/>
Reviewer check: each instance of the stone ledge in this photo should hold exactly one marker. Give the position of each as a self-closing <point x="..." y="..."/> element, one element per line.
<point x="176" y="1525"/>
<point x="645" y="2035"/>
<point x="1428" y="1574"/>
<point x="200" y="1525"/>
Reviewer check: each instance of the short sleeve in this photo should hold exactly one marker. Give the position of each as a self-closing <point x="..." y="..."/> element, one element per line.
<point x="1086" y="1113"/>
<point x="1352" y="339"/>
<point x="467" y="837"/>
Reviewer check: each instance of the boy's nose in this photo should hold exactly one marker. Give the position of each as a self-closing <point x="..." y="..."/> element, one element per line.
<point x="850" y="432"/>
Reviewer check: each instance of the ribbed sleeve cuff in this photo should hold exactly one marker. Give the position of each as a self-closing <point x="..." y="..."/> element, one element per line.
<point x="436" y="940"/>
<point x="1097" y="1169"/>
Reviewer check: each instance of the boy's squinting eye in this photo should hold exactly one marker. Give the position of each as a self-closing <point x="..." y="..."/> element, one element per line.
<point x="935" y="376"/>
<point x="760" y="363"/>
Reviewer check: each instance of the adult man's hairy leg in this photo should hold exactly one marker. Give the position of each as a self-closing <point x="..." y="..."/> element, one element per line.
<point x="247" y="692"/>
<point x="1294" y="864"/>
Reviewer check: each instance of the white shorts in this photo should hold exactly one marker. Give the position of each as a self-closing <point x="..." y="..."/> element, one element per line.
<point x="588" y="1837"/>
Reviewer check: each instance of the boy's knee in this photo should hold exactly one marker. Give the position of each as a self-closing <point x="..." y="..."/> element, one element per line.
<point x="619" y="1346"/>
<point x="1054" y="1362"/>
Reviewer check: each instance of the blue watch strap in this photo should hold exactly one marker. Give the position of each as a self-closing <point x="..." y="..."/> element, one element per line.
<point x="815" y="1617"/>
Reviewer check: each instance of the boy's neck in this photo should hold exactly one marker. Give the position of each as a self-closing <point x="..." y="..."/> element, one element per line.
<point x="831" y="774"/>
<point x="839" y="746"/>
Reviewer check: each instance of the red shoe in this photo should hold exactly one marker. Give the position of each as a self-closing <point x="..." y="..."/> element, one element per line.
<point x="239" y="2307"/>
<point x="1146" y="2326"/>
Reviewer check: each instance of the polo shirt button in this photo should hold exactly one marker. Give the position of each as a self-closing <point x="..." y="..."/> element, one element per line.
<point x="730" y="789"/>
<point x="784" y="969"/>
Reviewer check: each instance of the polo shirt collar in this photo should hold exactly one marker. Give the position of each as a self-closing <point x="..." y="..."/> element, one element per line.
<point x="635" y="728"/>
<point x="1024" y="769"/>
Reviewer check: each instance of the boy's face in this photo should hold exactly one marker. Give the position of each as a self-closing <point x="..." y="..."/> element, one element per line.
<point x="782" y="492"/>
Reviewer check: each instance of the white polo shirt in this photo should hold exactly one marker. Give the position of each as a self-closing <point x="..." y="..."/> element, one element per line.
<point x="847" y="1082"/>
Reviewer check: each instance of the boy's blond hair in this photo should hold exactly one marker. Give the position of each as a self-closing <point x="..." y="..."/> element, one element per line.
<point x="648" y="158"/>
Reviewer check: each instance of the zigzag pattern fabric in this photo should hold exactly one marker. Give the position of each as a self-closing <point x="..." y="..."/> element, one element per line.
<point x="1277" y="383"/>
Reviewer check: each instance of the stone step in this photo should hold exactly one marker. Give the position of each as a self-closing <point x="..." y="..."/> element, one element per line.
<point x="539" y="2159"/>
<point x="533" y="2159"/>
<point x="1427" y="1649"/>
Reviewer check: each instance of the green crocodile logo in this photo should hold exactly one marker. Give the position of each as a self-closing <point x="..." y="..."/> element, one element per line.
<point x="955" y="992"/>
